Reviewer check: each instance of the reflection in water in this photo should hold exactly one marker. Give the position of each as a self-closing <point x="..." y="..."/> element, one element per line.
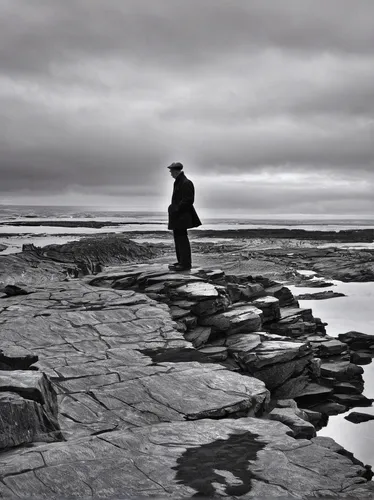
<point x="343" y="314"/>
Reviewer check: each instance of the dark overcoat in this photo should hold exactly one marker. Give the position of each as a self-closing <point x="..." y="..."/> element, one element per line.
<point x="182" y="214"/>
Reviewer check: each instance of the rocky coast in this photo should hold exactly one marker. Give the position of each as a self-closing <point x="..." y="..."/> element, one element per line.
<point x="120" y="379"/>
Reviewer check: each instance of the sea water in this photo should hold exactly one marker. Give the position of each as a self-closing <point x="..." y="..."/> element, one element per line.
<point x="354" y="312"/>
<point x="14" y="236"/>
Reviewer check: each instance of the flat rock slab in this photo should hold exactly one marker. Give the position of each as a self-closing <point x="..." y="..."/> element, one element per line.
<point x="188" y="391"/>
<point x="328" y="347"/>
<point x="246" y="457"/>
<point x="273" y="352"/>
<point x="292" y="313"/>
<point x="316" y="391"/>
<point x="341" y="370"/>
<point x="236" y="320"/>
<point x="106" y="352"/>
<point x="198" y="291"/>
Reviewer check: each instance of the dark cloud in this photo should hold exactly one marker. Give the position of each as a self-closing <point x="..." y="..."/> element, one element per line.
<point x="34" y="35"/>
<point x="98" y="96"/>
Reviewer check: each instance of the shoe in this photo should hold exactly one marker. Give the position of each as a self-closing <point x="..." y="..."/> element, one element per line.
<point x="171" y="266"/>
<point x="179" y="267"/>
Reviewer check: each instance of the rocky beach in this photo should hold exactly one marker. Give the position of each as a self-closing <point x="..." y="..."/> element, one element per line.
<point x="120" y="379"/>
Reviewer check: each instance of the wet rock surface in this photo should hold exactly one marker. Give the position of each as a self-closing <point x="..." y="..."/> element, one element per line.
<point x="143" y="411"/>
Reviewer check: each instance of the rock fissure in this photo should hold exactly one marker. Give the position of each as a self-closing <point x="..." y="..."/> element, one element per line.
<point x="147" y="476"/>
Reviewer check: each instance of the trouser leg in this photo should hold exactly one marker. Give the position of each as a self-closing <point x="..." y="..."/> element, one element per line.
<point x="182" y="247"/>
<point x="176" y="245"/>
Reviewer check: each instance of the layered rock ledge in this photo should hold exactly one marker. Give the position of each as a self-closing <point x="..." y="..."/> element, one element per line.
<point x="172" y="385"/>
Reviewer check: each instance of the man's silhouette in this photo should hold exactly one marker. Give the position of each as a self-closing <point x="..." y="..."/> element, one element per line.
<point x="182" y="216"/>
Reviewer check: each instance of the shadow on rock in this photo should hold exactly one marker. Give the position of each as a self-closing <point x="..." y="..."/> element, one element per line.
<point x="220" y="465"/>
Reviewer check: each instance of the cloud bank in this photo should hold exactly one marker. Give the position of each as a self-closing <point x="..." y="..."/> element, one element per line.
<point x="270" y="105"/>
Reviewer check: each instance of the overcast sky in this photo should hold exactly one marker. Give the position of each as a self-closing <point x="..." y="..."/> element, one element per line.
<point x="268" y="104"/>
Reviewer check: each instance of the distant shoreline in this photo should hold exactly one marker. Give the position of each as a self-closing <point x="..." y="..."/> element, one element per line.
<point x="342" y="235"/>
<point x="347" y="236"/>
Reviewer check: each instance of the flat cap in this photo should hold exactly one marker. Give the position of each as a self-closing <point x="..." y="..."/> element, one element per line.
<point x="176" y="166"/>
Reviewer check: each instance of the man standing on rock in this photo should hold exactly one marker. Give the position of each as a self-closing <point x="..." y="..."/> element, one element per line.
<point x="182" y="216"/>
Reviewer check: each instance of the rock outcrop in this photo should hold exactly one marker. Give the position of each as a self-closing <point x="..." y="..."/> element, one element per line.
<point x="143" y="411"/>
<point x="37" y="265"/>
<point x="252" y="325"/>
